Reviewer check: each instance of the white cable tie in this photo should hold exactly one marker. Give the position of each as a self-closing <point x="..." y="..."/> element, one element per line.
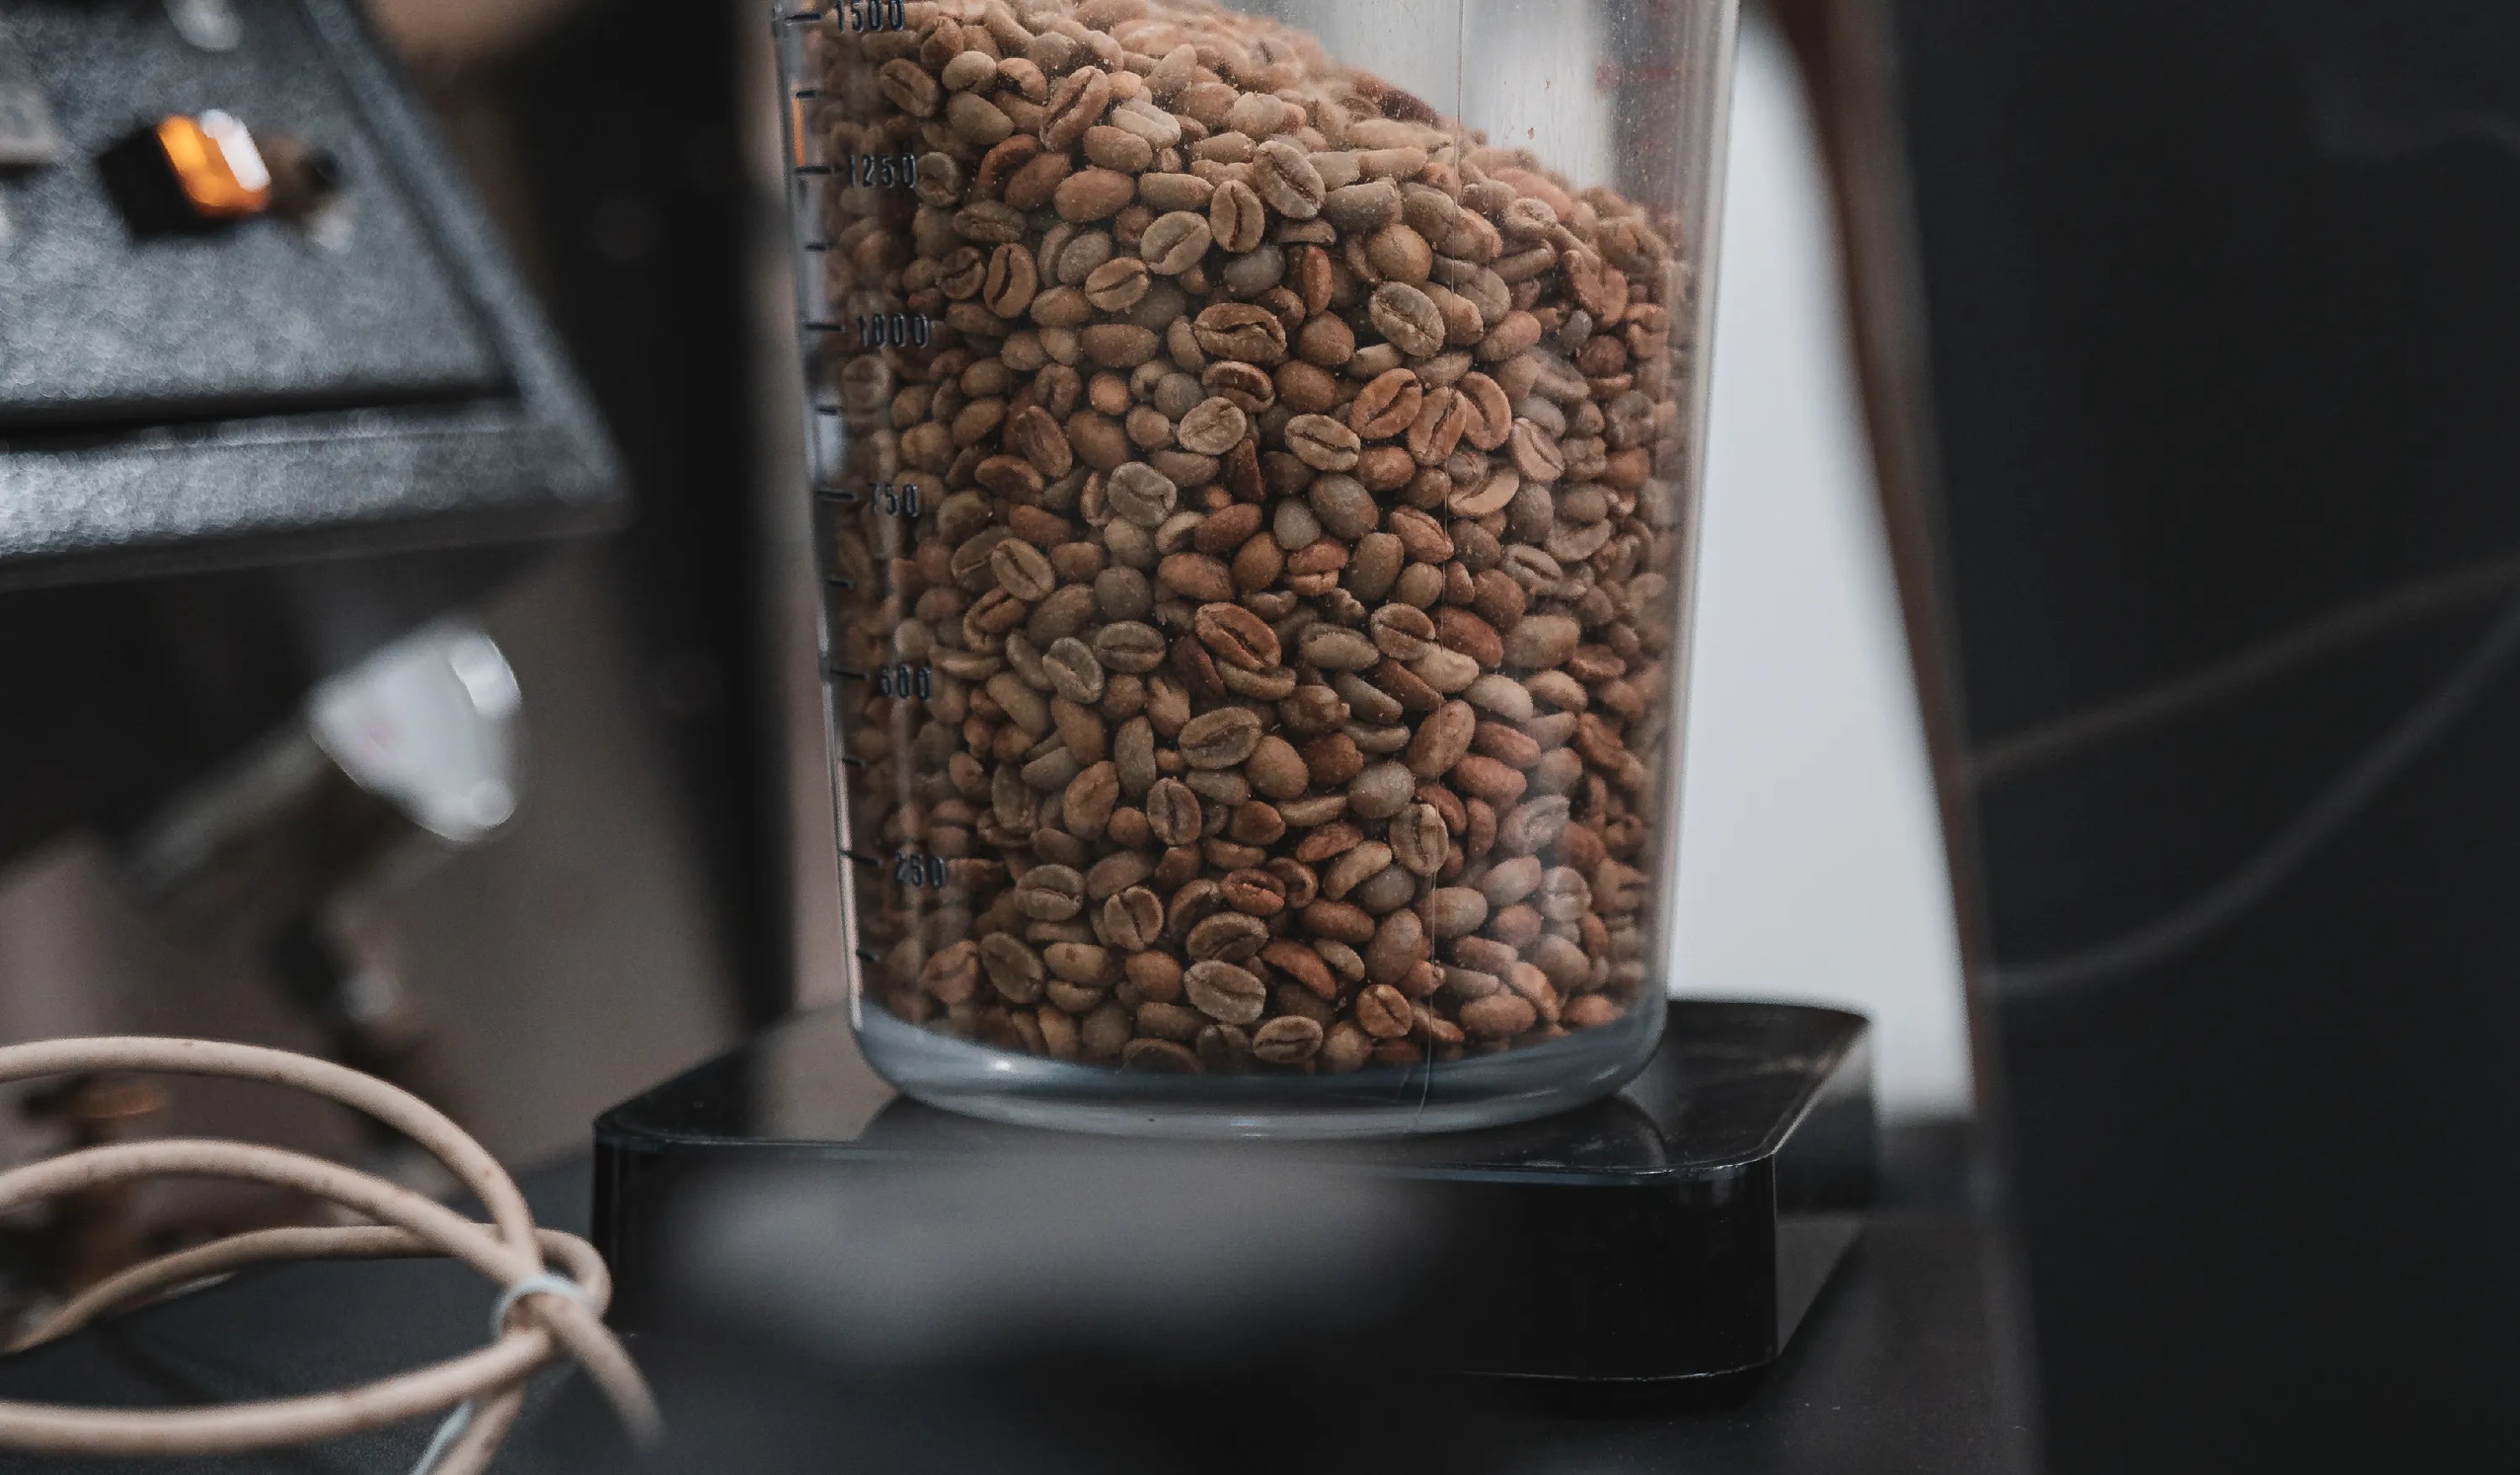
<point x="546" y="1283"/>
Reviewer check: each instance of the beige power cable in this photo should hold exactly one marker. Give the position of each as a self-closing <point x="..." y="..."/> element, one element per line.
<point x="549" y="1316"/>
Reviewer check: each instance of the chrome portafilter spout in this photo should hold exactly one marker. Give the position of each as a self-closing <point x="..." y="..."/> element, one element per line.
<point x="389" y="767"/>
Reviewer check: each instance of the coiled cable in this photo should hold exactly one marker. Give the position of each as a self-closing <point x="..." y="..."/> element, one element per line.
<point x="541" y="1325"/>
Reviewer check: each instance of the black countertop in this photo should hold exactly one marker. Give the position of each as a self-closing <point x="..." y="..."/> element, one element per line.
<point x="1893" y="1372"/>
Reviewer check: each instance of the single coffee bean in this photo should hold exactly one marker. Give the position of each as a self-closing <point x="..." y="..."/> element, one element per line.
<point x="1012" y="280"/>
<point x="1156" y="1056"/>
<point x="1073" y="672"/>
<point x="1381" y="791"/>
<point x="1398" y="253"/>
<point x="1023" y="570"/>
<point x="1386" y="891"/>
<point x="1353" y="869"/>
<point x="1224" y="1048"/>
<point x="1536" y="454"/>
<point x="1221" y="738"/>
<point x="1212" y="427"/>
<point x="1492" y="411"/>
<point x="1034" y="435"/>
<point x="1155" y="977"/>
<point x="976" y="121"/>
<point x="1401" y="632"/>
<point x="1562" y="962"/>
<point x="1254" y="893"/>
<point x="1093" y="194"/>
<point x="1225" y="993"/>
<point x="1421" y="535"/>
<point x="1276" y="770"/>
<point x="1288" y="1039"/>
<point x="1256" y="822"/>
<point x="1294" y="524"/>
<point x="1322" y="442"/>
<point x="1134" y="919"/>
<point x="1195" y="576"/>
<point x="1236" y="217"/>
<point x="1589" y="1011"/>
<point x="1488" y="779"/>
<point x="1534" y="825"/>
<point x="1487" y="497"/>
<point x="1564" y="896"/>
<point x="1004" y="161"/>
<point x="1142" y="493"/>
<point x="1400" y="945"/>
<point x="1228" y="936"/>
<point x="1247" y="386"/>
<point x="910" y="89"/>
<point x="1242" y="332"/>
<point x="1284" y="177"/>
<point x="1407" y="319"/>
<point x="1237" y="637"/>
<point x="953" y="974"/>
<point x="1539" y="642"/>
<point x="1387" y="407"/>
<point x="1382" y="1012"/>
<point x="1104" y="1033"/>
<point x="1454" y="911"/>
<point x="1304" y="965"/>
<point x="1361" y="209"/>
<point x="1175" y="192"/>
<point x="1089" y="800"/>
<point x="1118" y="284"/>
<point x="1498" y="1017"/>
<point x="1118" y="345"/>
<point x="1442" y="739"/>
<point x="1510" y="881"/>
<point x="1014" y="971"/>
<point x="1334" y="647"/>
<point x="1420" y="840"/>
<point x="1345" y="1049"/>
<point x="1174" y="242"/>
<point x="1119" y="149"/>
<point x="1051" y="893"/>
<point x="1077" y="105"/>
<point x="1129" y="647"/>
<point x="1346" y="510"/>
<point x="1174" y="813"/>
<point x="1226" y="530"/>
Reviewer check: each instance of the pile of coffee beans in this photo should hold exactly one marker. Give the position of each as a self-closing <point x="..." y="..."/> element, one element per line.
<point x="1267" y="553"/>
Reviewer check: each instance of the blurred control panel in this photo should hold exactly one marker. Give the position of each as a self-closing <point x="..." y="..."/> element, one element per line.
<point x="112" y="309"/>
<point x="245" y="306"/>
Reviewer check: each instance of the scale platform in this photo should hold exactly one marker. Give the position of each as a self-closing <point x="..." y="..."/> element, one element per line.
<point x="1675" y="1231"/>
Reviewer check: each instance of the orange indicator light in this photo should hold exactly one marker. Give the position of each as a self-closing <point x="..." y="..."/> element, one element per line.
<point x="216" y="165"/>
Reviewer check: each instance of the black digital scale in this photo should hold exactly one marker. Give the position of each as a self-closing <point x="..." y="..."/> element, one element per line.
<point x="1677" y="1231"/>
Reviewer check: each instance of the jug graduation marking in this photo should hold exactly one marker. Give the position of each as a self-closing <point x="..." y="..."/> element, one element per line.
<point x="871" y="15"/>
<point x="875" y="172"/>
<point x="919" y="872"/>
<point x="871" y="333"/>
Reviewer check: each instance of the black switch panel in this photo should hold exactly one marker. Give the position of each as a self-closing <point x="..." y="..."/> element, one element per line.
<point x="262" y="391"/>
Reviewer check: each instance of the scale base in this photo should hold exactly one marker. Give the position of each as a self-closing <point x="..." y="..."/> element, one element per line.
<point x="1675" y="1231"/>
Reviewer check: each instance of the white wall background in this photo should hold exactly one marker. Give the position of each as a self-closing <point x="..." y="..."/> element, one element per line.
<point x="1811" y="854"/>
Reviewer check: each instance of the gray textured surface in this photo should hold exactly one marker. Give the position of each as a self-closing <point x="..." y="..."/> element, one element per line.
<point x="405" y="393"/>
<point x="94" y="323"/>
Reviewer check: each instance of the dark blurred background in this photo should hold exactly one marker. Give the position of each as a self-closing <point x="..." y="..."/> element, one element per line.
<point x="638" y="912"/>
<point x="2107" y="598"/>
